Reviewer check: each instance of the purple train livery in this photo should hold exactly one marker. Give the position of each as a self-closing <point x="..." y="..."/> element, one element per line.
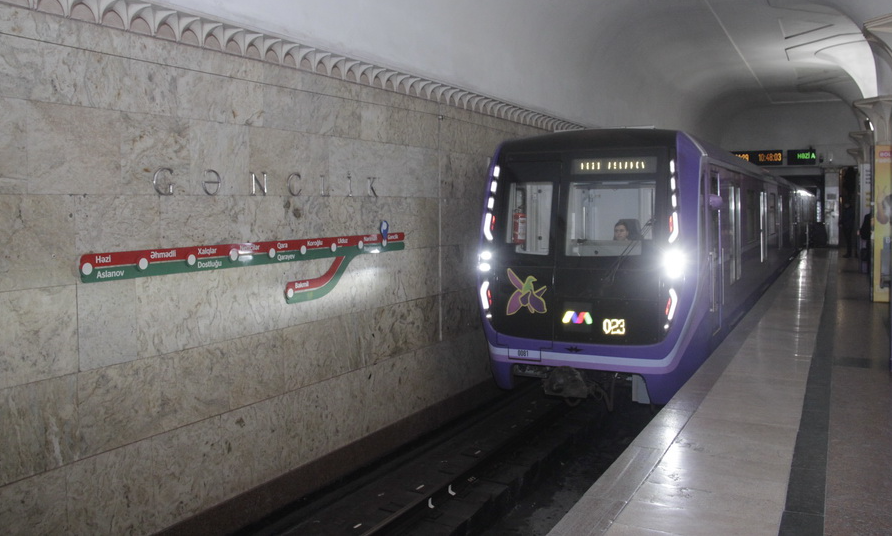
<point x="625" y="254"/>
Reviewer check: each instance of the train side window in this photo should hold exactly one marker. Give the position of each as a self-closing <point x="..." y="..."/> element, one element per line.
<point x="753" y="216"/>
<point x="529" y="218"/>
<point x="594" y="209"/>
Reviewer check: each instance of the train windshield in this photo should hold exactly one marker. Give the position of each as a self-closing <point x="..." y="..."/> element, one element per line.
<point x="609" y="218"/>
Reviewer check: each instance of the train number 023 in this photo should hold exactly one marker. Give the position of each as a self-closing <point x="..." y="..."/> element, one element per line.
<point x="614" y="327"/>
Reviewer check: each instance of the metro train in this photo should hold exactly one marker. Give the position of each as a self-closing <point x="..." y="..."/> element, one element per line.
<point x="625" y="253"/>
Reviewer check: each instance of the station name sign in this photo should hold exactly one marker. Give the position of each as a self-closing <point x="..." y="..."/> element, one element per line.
<point x="775" y="157"/>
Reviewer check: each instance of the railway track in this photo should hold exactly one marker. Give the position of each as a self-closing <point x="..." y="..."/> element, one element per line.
<point x="455" y="482"/>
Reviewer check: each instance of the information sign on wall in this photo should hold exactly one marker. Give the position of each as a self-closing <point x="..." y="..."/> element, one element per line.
<point x="110" y="266"/>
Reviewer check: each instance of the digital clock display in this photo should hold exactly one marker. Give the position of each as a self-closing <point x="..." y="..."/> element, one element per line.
<point x="590" y="166"/>
<point x="771" y="157"/>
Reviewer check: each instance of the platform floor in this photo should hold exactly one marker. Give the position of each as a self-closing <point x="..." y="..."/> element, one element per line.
<point x="785" y="430"/>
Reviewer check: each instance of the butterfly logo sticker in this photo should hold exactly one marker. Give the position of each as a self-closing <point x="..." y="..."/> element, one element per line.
<point x="525" y="295"/>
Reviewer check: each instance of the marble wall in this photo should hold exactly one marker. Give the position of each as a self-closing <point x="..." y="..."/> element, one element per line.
<point x="128" y="406"/>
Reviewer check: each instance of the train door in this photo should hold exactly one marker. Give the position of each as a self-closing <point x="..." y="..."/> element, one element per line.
<point x="523" y="254"/>
<point x="731" y="231"/>
<point x="763" y="224"/>
<point x="712" y="217"/>
<point x="782" y="222"/>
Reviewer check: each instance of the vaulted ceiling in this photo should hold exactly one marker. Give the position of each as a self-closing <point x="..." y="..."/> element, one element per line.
<point x="671" y="63"/>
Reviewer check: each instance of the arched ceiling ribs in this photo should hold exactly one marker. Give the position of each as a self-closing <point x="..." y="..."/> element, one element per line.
<point x="409" y="85"/>
<point x="315" y="58"/>
<point x="438" y="92"/>
<point x="249" y="44"/>
<point x="275" y="49"/>
<point x="240" y="37"/>
<point x="349" y="68"/>
<point x="454" y="95"/>
<point x="215" y="31"/>
<point x="126" y="10"/>
<point x="498" y="108"/>
<point x="422" y="87"/>
<point x="266" y="44"/>
<point x="361" y="69"/>
<point x="432" y="91"/>
<point x="280" y="48"/>
<point x="336" y="62"/>
<point x="198" y="26"/>
<point x="473" y="101"/>
<point x="305" y="54"/>
<point x="375" y="78"/>
<point x="66" y="5"/>
<point x="461" y="98"/>
<point x="97" y="8"/>
<point x="212" y="30"/>
<point x="327" y="61"/>
<point x="536" y="120"/>
<point x="386" y="77"/>
<point x="284" y="49"/>
<point x="156" y="18"/>
<point x="398" y="81"/>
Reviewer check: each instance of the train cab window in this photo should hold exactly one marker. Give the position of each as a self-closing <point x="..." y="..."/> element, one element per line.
<point x="608" y="218"/>
<point x="529" y="218"/>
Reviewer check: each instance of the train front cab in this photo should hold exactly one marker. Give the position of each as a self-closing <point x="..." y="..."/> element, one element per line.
<point x="557" y="292"/>
<point x="556" y="289"/>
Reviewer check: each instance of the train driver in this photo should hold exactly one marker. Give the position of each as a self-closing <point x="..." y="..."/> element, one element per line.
<point x="620" y="231"/>
<point x="626" y="230"/>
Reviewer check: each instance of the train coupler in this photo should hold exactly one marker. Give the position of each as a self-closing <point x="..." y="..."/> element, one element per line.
<point x="566" y="382"/>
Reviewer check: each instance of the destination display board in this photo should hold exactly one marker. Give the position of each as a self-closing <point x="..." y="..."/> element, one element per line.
<point x="801" y="157"/>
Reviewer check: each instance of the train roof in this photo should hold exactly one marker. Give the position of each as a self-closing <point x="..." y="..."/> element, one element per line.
<point x="629" y="137"/>
<point x="585" y="139"/>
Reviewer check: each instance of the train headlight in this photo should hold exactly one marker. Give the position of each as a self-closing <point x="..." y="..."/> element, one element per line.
<point x="484" y="258"/>
<point x="674" y="262"/>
